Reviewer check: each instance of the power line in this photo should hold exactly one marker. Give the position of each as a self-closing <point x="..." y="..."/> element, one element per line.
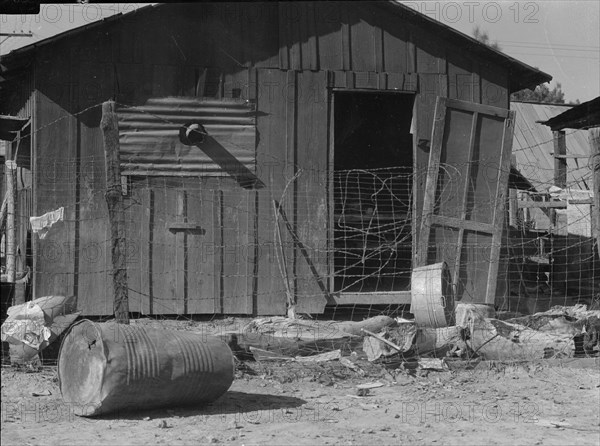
<point x="556" y="55"/>
<point x="16" y="34"/>
<point x="565" y="45"/>
<point x="551" y="48"/>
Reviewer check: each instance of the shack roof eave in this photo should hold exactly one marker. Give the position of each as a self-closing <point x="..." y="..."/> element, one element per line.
<point x="582" y="116"/>
<point x="521" y="75"/>
<point x="13" y="58"/>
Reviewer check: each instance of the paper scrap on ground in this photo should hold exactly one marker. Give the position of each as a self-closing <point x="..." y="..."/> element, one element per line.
<point x="27" y="326"/>
<point x="44" y="222"/>
<point x="39" y="322"/>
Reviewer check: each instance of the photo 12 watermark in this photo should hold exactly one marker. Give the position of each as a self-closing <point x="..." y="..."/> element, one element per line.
<point x="476" y="12"/>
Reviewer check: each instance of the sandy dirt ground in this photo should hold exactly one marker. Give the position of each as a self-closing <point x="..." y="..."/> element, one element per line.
<point x="287" y="404"/>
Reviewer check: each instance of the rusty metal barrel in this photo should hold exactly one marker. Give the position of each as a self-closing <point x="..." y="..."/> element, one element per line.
<point x="110" y="367"/>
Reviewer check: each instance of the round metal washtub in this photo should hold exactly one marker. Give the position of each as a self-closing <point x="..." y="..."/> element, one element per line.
<point x="109" y="367"/>
<point x="432" y="296"/>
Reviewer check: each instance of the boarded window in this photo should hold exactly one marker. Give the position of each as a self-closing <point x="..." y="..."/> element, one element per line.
<point x="149" y="136"/>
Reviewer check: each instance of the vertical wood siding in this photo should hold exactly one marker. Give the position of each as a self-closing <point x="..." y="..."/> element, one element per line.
<point x="283" y="56"/>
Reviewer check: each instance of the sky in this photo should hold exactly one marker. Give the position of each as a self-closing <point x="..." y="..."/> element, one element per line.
<point x="560" y="37"/>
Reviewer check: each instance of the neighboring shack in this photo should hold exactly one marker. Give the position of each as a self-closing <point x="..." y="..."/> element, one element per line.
<point x="300" y="94"/>
<point x="552" y="232"/>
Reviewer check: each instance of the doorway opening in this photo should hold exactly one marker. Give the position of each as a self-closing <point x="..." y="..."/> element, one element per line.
<point x="372" y="193"/>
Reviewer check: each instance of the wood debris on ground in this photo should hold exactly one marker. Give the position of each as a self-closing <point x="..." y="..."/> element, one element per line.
<point x="562" y="332"/>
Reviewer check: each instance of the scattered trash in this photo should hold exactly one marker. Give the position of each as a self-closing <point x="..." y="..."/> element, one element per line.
<point x="407" y="340"/>
<point x="500" y="340"/>
<point x="349" y="364"/>
<point x="327" y="356"/>
<point x="42" y="393"/>
<point x="438" y="364"/>
<point x="376" y="346"/>
<point x="374" y="385"/>
<point x="365" y="389"/>
<point x="32" y="326"/>
<point x="264" y="355"/>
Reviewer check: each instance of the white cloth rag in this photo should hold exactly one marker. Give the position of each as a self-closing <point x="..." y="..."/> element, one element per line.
<point x="44" y="222"/>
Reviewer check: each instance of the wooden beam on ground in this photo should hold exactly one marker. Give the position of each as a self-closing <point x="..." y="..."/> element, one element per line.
<point x="114" y="199"/>
<point x="11" y="192"/>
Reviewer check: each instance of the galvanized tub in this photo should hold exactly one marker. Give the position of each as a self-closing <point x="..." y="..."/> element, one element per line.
<point x="432" y="296"/>
<point x="109" y="367"/>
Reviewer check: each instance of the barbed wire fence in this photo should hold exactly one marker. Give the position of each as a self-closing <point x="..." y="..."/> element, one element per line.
<point x="235" y="263"/>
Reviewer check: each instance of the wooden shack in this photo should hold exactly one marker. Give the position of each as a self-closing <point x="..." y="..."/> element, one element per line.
<point x="329" y="105"/>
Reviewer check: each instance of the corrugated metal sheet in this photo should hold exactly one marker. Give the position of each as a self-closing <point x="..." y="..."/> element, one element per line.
<point x="533" y="147"/>
<point x="149" y="135"/>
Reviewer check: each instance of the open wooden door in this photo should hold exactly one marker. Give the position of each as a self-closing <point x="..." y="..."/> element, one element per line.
<point x="465" y="194"/>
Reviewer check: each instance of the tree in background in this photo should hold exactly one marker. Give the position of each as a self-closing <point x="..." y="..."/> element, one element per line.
<point x="542" y="93"/>
<point x="483" y="37"/>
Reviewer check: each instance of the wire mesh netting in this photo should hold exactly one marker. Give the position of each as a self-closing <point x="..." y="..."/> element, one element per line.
<point x="200" y="246"/>
<point x="372" y="229"/>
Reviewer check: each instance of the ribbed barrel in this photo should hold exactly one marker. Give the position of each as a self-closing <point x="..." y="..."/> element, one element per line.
<point x="108" y="367"/>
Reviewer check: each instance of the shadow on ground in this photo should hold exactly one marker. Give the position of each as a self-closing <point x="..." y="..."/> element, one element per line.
<point x="232" y="403"/>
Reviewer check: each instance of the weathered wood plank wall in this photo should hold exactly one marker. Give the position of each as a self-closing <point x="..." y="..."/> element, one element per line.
<point x="284" y="56"/>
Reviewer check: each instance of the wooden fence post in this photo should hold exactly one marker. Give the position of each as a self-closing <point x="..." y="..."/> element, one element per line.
<point x="114" y="200"/>
<point x="560" y="162"/>
<point x="594" y="138"/>
<point x="11" y="192"/>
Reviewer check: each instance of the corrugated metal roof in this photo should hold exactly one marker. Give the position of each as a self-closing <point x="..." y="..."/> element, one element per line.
<point x="149" y="135"/>
<point x="533" y="147"/>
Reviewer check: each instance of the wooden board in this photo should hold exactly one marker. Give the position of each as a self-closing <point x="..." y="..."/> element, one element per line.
<point x="465" y="194"/>
<point x="273" y="170"/>
<point x="55" y="187"/>
<point x="430" y="87"/>
<point x="238" y="254"/>
<point x="312" y="204"/>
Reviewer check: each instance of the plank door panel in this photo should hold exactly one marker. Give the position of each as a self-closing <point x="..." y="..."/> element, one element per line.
<point x="167" y="254"/>
<point x="275" y="161"/>
<point x="237" y="258"/>
<point x="201" y="292"/>
<point x="311" y="192"/>
<point x="465" y="194"/>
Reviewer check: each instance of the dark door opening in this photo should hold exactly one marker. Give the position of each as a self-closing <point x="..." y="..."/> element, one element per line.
<point x="373" y="169"/>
